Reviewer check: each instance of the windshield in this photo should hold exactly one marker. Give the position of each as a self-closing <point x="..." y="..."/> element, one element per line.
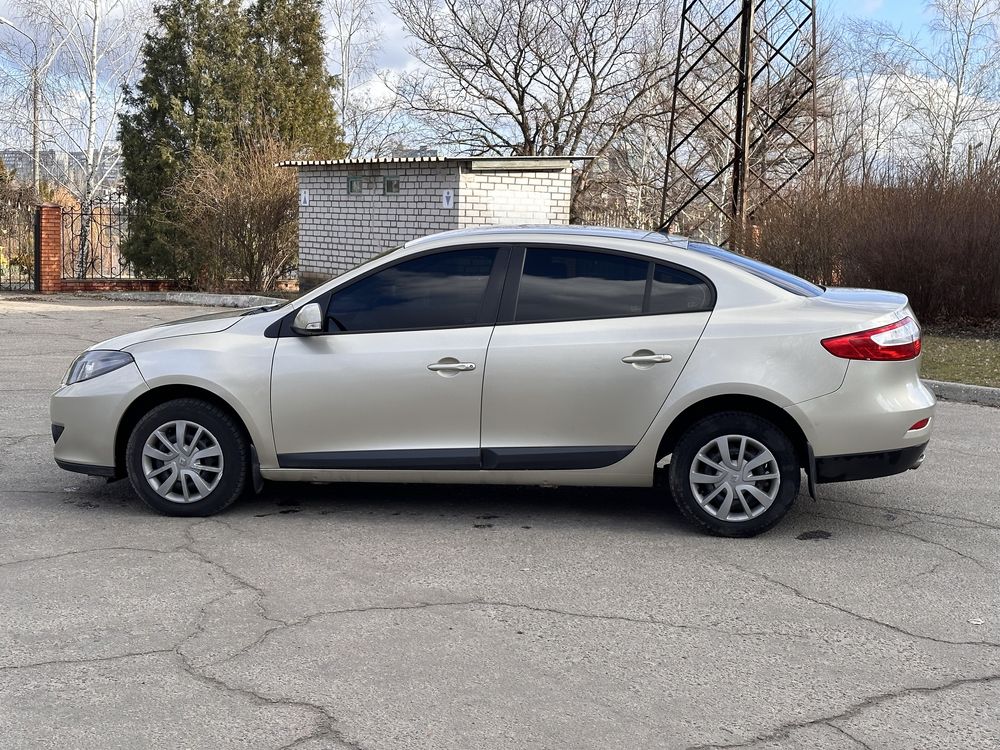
<point x="787" y="281"/>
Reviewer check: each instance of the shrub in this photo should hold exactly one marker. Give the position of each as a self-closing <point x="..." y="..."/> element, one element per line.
<point x="936" y="240"/>
<point x="238" y="217"/>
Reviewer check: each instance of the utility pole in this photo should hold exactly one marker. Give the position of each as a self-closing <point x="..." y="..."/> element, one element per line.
<point x="743" y="122"/>
<point x="36" y="96"/>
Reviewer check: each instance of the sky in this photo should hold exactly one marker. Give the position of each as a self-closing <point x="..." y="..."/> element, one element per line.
<point x="910" y="15"/>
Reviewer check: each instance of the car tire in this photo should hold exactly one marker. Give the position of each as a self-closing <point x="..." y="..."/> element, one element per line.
<point x="200" y="473"/>
<point x="744" y="493"/>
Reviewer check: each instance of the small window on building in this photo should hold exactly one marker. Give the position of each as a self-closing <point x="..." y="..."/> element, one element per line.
<point x="390" y="184"/>
<point x="355" y="184"/>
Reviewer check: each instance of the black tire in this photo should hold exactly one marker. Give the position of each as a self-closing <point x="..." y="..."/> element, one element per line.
<point x="704" y="431"/>
<point x="227" y="433"/>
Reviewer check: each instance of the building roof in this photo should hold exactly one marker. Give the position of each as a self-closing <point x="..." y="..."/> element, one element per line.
<point x="511" y="161"/>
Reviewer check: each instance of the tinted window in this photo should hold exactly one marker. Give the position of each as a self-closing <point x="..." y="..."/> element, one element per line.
<point x="566" y="284"/>
<point x="787" y="281"/>
<point x="675" y="291"/>
<point x="433" y="291"/>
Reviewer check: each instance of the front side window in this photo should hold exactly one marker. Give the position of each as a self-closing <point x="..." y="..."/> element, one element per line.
<point x="441" y="290"/>
<point x="566" y="284"/>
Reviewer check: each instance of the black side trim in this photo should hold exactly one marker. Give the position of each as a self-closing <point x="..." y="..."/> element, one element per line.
<point x="867" y="465"/>
<point x="92" y="469"/>
<point x="57" y="430"/>
<point x="577" y="457"/>
<point x="582" y="457"/>
<point x="432" y="458"/>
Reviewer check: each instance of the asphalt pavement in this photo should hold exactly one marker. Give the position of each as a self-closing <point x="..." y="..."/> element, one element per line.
<point x="389" y="616"/>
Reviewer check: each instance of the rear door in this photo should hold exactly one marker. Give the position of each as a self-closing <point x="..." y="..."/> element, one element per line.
<point x="588" y="345"/>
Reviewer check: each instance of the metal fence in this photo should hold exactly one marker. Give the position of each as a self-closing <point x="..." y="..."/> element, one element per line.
<point x="93" y="237"/>
<point x="17" y="244"/>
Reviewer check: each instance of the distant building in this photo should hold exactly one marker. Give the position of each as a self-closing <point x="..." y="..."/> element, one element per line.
<point x="62" y="167"/>
<point x="352" y="209"/>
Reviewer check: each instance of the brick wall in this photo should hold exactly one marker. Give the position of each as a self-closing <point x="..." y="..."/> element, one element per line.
<point x="49" y="244"/>
<point x="339" y="230"/>
<point x="514" y="197"/>
<point x="49" y="263"/>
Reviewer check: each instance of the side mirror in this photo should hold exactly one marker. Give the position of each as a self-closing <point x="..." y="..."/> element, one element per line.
<point x="308" y="320"/>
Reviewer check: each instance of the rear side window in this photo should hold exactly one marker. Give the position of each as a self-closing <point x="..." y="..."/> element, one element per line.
<point x="442" y="290"/>
<point x="566" y="284"/>
<point x="787" y="281"/>
<point x="674" y="291"/>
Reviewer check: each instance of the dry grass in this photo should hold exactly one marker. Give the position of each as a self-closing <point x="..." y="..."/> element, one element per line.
<point x="962" y="357"/>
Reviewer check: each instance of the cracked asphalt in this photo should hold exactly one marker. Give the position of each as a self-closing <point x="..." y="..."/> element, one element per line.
<point x="373" y="616"/>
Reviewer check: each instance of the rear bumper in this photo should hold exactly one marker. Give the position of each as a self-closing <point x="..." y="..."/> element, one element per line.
<point x="856" y="466"/>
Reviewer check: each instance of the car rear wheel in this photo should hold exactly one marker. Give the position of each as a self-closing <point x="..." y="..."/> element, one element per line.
<point x="187" y="457"/>
<point x="734" y="474"/>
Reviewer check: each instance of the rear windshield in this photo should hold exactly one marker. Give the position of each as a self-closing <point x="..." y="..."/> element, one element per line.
<point x="787" y="281"/>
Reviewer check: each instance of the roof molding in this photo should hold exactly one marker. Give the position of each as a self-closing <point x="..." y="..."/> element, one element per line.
<point x="478" y="163"/>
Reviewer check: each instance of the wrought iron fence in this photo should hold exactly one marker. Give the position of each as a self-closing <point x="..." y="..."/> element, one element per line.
<point x="17" y="243"/>
<point x="93" y="236"/>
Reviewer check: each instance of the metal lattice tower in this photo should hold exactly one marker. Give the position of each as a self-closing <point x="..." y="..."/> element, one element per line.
<point x="743" y="112"/>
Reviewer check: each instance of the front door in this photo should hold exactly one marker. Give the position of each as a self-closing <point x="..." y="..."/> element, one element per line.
<point x="396" y="381"/>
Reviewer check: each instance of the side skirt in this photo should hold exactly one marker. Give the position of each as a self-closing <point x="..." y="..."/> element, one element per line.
<point x="447" y="459"/>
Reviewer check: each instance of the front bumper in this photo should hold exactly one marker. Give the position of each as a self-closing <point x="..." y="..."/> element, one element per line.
<point x="856" y="466"/>
<point x="88" y="414"/>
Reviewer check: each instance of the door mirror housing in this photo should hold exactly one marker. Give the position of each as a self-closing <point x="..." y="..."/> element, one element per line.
<point x="308" y="320"/>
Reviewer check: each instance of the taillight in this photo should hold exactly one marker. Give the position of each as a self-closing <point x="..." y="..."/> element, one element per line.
<point x="896" y="341"/>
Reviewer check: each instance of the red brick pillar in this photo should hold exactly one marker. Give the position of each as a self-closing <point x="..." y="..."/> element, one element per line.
<point x="49" y="244"/>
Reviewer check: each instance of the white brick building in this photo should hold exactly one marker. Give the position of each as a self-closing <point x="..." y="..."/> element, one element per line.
<point x="353" y="209"/>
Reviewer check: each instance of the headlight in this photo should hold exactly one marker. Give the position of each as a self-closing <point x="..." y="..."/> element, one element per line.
<point x="96" y="362"/>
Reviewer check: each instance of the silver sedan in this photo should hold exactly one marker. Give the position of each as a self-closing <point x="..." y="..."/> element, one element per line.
<point x="545" y="355"/>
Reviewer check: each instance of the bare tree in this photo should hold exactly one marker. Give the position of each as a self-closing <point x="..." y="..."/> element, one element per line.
<point x="98" y="45"/>
<point x="951" y="84"/>
<point x="522" y="77"/>
<point x="369" y="111"/>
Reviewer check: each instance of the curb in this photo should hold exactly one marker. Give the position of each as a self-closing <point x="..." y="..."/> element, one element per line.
<point x="967" y="394"/>
<point x="188" y="298"/>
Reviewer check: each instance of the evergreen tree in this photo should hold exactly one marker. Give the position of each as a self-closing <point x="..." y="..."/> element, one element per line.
<point x="217" y="78"/>
<point x="294" y="93"/>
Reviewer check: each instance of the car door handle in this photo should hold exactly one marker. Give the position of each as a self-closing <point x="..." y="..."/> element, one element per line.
<point x="451" y="366"/>
<point x="646" y="359"/>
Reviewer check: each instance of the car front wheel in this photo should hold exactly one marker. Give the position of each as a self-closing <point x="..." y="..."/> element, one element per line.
<point x="187" y="457"/>
<point x="734" y="474"/>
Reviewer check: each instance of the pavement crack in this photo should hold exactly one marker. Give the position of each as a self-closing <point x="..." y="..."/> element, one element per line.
<point x="271" y="632"/>
<point x="858" y="615"/>
<point x="72" y="553"/>
<point x="849" y="736"/>
<point x="86" y="660"/>
<point x="927" y="514"/>
<point x="325" y="721"/>
<point x="784" y="730"/>
<point x="259" y="593"/>
<point x="898" y="530"/>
